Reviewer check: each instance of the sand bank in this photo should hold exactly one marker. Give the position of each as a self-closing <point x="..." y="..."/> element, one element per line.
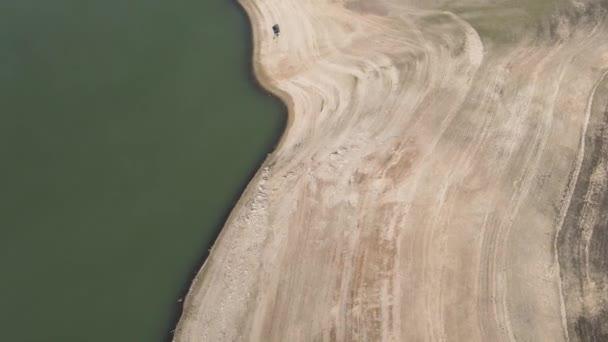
<point x="440" y="178"/>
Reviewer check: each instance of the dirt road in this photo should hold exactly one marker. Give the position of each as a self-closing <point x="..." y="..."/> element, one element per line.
<point x="444" y="177"/>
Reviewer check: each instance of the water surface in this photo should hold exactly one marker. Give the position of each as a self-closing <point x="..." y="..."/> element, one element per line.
<point x="128" y="129"/>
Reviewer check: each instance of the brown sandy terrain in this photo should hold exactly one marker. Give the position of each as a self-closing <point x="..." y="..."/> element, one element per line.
<point x="444" y="178"/>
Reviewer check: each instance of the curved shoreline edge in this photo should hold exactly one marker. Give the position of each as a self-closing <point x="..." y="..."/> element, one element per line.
<point x="260" y="75"/>
<point x="262" y="81"/>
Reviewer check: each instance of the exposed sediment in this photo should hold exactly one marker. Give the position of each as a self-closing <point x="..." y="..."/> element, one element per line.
<point x="443" y="177"/>
<point x="583" y="240"/>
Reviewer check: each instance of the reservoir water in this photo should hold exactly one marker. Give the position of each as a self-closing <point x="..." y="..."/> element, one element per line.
<point x="128" y="129"/>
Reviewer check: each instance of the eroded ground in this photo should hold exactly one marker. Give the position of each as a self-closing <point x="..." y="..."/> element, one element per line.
<point x="443" y="178"/>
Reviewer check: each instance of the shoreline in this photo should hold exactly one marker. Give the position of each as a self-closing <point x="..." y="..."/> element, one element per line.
<point x="260" y="77"/>
<point x="257" y="77"/>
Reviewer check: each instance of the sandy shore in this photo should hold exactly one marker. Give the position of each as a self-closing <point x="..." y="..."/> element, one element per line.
<point x="443" y="177"/>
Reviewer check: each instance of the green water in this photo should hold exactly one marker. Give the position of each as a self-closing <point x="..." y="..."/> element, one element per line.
<point x="128" y="129"/>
